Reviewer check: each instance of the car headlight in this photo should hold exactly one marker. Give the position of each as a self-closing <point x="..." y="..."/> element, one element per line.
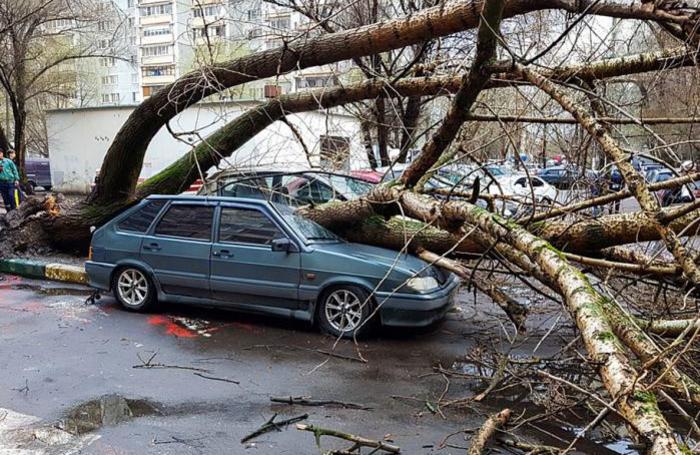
<point x="422" y="284"/>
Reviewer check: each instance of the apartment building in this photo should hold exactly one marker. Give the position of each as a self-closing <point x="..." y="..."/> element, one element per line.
<point x="112" y="79"/>
<point x="153" y="42"/>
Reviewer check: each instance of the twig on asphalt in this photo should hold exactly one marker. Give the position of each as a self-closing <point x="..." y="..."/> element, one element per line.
<point x="307" y="401"/>
<point x="495" y="380"/>
<point x="213" y="378"/>
<point x="272" y="425"/>
<point x="147" y="364"/>
<point x="359" y="441"/>
<point x="316" y="350"/>
<point x="24" y="390"/>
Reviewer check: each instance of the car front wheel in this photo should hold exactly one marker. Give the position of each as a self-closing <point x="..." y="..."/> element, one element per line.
<point x="344" y="311"/>
<point x="134" y="290"/>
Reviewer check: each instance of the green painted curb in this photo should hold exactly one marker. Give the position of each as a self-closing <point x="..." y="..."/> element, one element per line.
<point x="36" y="269"/>
<point x="22" y="267"/>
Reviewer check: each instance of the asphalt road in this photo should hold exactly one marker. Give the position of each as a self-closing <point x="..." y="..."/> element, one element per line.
<point x="80" y="368"/>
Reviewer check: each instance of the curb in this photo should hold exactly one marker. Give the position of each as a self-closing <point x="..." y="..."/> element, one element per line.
<point x="41" y="270"/>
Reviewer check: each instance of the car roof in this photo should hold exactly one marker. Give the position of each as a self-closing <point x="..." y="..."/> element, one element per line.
<point x="195" y="198"/>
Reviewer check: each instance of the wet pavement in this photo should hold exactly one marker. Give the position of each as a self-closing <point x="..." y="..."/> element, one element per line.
<point x="95" y="379"/>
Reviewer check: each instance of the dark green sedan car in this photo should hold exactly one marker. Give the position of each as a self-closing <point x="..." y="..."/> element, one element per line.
<point x="257" y="256"/>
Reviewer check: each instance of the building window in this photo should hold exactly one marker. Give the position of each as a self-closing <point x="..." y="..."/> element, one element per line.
<point x="316" y="81"/>
<point x="108" y="98"/>
<point x="60" y="23"/>
<point x="149" y="90"/>
<point x="110" y="80"/>
<point x="156" y="31"/>
<point x="280" y="23"/>
<point x="153" y="51"/>
<point x="255" y="33"/>
<point x="129" y="3"/>
<point x="107" y="61"/>
<point x="253" y="14"/>
<point x="150" y="71"/>
<point x="212" y="31"/>
<point x="133" y="97"/>
<point x="104" y="43"/>
<point x="200" y="11"/>
<point x="157" y="10"/>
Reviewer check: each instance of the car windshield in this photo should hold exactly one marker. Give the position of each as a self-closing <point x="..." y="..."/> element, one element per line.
<point x="312" y="232"/>
<point x="350" y="186"/>
<point x="495" y="171"/>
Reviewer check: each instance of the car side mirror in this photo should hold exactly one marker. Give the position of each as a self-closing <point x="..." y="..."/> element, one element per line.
<point x="282" y="244"/>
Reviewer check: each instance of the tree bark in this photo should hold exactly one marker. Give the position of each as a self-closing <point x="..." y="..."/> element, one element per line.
<point x="410" y="122"/>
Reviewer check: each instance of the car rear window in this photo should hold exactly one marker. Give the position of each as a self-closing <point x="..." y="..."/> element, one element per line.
<point x="187" y="221"/>
<point x="141" y="219"/>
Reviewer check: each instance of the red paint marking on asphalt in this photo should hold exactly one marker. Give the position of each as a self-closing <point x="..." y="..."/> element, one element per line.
<point x="247" y="327"/>
<point x="171" y="328"/>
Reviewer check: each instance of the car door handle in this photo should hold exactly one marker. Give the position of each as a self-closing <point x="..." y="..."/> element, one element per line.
<point x="222" y="254"/>
<point x="152" y="247"/>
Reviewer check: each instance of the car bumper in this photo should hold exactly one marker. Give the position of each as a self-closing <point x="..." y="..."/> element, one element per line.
<point x="99" y="275"/>
<point x="417" y="310"/>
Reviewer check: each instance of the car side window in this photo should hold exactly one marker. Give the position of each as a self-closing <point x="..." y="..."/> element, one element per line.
<point x="536" y="182"/>
<point x="187" y="221"/>
<point x="141" y="219"/>
<point x="247" y="226"/>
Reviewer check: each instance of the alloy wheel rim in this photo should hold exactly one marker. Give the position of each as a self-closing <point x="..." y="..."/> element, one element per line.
<point x="343" y="310"/>
<point x="132" y="287"/>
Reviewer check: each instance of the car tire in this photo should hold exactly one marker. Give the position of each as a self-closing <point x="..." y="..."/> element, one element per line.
<point x="134" y="289"/>
<point x="343" y="311"/>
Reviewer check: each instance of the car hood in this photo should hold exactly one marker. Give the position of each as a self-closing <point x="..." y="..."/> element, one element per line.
<point x="406" y="263"/>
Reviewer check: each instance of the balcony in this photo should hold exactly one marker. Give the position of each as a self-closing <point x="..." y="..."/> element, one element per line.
<point x="157" y="19"/>
<point x="198" y="22"/>
<point x="157" y="80"/>
<point x="158" y="60"/>
<point x="157" y="39"/>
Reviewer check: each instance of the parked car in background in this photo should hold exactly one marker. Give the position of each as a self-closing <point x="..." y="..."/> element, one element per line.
<point x="38" y="172"/>
<point x="257" y="256"/>
<point x="292" y="188"/>
<point x="561" y="177"/>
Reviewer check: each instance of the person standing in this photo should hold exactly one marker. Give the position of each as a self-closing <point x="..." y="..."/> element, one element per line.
<point x="615" y="184"/>
<point x="9" y="181"/>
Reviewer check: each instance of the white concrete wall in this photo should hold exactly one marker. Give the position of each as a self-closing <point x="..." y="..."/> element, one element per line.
<point x="79" y="139"/>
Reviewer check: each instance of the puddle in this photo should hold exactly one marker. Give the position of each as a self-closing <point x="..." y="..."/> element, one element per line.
<point x="105" y="411"/>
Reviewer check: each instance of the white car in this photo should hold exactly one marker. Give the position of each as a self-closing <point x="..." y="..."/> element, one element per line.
<point x="518" y="192"/>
